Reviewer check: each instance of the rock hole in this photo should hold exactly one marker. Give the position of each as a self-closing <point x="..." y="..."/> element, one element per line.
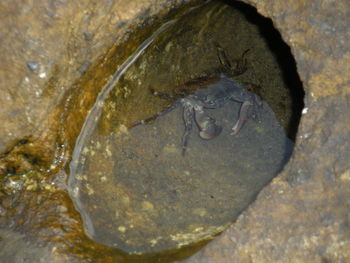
<point x="135" y="186"/>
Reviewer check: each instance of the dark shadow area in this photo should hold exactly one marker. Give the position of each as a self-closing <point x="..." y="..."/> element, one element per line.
<point x="284" y="57"/>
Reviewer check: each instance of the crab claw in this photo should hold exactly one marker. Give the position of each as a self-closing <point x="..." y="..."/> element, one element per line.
<point x="211" y="132"/>
<point x="207" y="125"/>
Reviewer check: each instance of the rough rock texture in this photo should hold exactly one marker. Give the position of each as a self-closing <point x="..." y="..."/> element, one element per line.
<point x="46" y="47"/>
<point x="302" y="216"/>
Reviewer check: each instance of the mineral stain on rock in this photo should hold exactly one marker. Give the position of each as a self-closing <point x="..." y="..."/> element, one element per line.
<point x="133" y="188"/>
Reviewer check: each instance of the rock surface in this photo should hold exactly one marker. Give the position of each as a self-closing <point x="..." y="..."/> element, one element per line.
<point x="302" y="216"/>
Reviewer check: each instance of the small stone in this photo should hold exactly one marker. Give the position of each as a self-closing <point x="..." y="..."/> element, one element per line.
<point x="87" y="36"/>
<point x="122" y="229"/>
<point x="148" y="206"/>
<point x="32" y="65"/>
<point x="42" y="75"/>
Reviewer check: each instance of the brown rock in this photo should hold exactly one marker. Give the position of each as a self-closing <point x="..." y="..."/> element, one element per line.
<point x="302" y="216"/>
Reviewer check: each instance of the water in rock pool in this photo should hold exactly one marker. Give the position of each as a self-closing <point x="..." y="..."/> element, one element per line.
<point x="137" y="185"/>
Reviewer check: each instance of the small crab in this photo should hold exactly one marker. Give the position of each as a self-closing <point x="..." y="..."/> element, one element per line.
<point x="214" y="96"/>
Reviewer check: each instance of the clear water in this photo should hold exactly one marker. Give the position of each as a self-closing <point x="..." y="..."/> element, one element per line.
<point x="132" y="186"/>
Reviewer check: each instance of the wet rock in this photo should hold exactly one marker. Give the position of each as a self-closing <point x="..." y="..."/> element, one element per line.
<point x="32" y="65"/>
<point x="46" y="47"/>
<point x="302" y="216"/>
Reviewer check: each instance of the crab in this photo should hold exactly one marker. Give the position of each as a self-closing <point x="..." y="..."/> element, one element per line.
<point x="220" y="91"/>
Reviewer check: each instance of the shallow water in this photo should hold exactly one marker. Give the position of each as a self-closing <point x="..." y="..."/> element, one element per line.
<point x="133" y="187"/>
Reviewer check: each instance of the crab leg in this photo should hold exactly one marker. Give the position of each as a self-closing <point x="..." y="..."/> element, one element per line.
<point x="165" y="95"/>
<point x="241" y="63"/>
<point x="155" y="116"/>
<point x="244" y="114"/>
<point x="188" y="117"/>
